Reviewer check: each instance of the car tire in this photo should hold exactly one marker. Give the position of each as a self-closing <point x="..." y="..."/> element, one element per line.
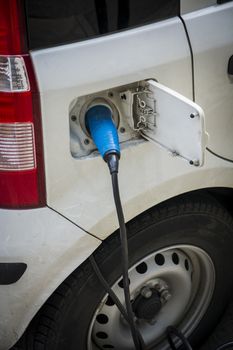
<point x="68" y="318"/>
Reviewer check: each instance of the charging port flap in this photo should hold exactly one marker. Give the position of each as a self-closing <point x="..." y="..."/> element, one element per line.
<point x="170" y="120"/>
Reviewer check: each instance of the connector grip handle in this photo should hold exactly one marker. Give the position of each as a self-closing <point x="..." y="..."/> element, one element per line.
<point x="102" y="129"/>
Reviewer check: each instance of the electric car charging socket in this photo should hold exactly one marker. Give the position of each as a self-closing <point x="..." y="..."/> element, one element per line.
<point x="144" y="110"/>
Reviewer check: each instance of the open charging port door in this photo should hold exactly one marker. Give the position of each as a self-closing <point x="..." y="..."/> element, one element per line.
<point x="168" y="119"/>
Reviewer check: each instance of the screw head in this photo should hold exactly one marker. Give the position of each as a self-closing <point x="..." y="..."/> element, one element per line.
<point x="194" y="162"/>
<point x="193" y="115"/>
<point x="73" y="118"/>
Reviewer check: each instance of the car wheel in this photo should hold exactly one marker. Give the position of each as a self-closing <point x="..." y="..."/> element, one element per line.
<point x="180" y="253"/>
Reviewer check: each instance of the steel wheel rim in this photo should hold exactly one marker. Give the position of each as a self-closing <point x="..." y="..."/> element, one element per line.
<point x="187" y="280"/>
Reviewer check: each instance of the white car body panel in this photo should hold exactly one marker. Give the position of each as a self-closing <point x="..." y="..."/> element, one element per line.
<point x="81" y="68"/>
<point x="52" y="248"/>
<point x="211" y="34"/>
<point x="193" y="5"/>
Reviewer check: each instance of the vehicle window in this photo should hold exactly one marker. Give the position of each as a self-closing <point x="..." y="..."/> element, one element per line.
<point x="56" y="22"/>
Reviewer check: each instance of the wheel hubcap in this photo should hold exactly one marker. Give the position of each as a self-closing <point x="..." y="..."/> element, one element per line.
<point x="147" y="304"/>
<point x="166" y="289"/>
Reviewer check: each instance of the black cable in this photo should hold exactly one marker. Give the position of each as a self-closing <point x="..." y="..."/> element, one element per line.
<point x="113" y="296"/>
<point x="112" y="160"/>
<point x="107" y="288"/>
<point x="125" y="261"/>
<point x="174" y="331"/>
<point x="217" y="155"/>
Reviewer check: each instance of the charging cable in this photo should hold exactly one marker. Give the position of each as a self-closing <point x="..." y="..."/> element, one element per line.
<point x="104" y="134"/>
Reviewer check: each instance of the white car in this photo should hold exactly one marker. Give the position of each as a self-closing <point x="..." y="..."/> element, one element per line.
<point x="165" y="69"/>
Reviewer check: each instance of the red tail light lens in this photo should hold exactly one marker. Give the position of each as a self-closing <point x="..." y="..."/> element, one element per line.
<point x="22" y="183"/>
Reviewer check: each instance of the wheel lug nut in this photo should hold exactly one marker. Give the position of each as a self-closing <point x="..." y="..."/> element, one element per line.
<point x="146" y="292"/>
<point x="165" y="295"/>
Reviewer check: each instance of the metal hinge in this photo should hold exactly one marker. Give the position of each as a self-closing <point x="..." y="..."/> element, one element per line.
<point x="142" y="105"/>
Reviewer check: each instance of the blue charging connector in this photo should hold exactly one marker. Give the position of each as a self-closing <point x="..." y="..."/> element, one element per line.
<point x="103" y="131"/>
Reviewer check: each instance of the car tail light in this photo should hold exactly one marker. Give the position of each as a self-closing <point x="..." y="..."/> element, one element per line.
<point x="22" y="180"/>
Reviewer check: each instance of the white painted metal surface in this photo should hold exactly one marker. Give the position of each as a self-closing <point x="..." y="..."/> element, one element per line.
<point x="211" y="34"/>
<point x="52" y="248"/>
<point x="193" y="5"/>
<point x="73" y="70"/>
